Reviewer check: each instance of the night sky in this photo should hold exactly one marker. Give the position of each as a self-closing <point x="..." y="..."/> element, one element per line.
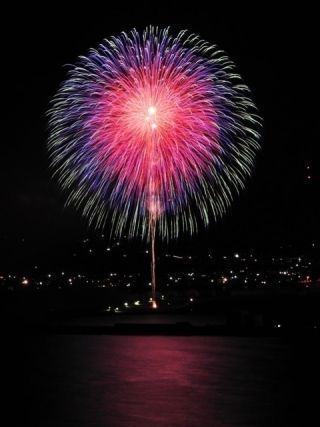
<point x="276" y="56"/>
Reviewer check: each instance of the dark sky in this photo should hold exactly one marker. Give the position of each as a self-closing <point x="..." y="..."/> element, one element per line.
<point x="276" y="54"/>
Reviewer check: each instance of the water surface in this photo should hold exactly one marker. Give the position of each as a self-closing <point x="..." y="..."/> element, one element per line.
<point x="68" y="380"/>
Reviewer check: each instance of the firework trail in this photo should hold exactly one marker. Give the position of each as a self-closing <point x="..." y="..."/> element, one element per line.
<point x="153" y="134"/>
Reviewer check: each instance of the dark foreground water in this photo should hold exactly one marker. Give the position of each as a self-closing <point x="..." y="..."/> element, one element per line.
<point x="101" y="381"/>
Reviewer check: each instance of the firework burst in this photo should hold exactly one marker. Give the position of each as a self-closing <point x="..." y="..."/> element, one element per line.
<point x="153" y="134"/>
<point x="153" y="127"/>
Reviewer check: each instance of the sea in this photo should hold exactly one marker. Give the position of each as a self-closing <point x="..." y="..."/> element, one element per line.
<point x="63" y="380"/>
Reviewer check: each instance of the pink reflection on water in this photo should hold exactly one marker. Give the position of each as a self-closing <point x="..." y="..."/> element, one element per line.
<point x="160" y="381"/>
<point x="155" y="384"/>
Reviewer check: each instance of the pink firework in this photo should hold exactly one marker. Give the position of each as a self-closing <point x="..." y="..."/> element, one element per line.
<point x="153" y="132"/>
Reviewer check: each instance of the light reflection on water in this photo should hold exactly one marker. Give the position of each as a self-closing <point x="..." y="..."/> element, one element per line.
<point x="159" y="381"/>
